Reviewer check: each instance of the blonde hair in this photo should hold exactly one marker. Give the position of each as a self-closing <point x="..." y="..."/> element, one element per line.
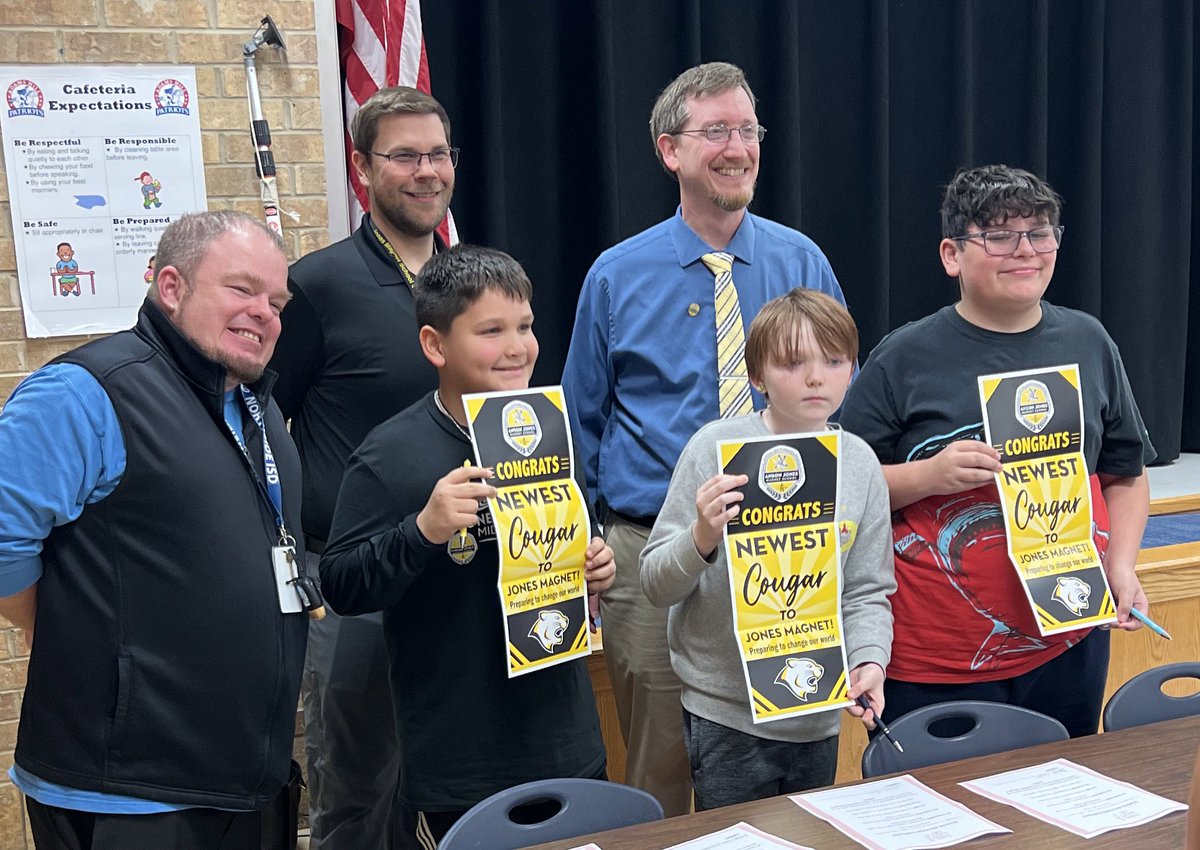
<point x="775" y="332"/>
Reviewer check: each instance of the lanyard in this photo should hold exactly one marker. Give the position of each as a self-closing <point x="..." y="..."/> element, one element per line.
<point x="387" y="246"/>
<point x="272" y="490"/>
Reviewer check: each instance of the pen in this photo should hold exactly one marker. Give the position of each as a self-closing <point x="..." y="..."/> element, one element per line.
<point x="862" y="700"/>
<point x="1153" y="626"/>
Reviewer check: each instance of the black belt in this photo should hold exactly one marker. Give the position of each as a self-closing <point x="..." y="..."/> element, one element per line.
<point x="643" y="521"/>
<point x="314" y="544"/>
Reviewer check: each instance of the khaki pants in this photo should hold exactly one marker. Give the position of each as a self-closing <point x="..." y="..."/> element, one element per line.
<point x="645" y="687"/>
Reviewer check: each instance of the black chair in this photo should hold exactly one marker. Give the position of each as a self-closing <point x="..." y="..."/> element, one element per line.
<point x="585" y="806"/>
<point x="992" y="727"/>
<point x="1141" y="700"/>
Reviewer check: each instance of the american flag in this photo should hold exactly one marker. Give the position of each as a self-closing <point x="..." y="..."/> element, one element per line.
<point x="381" y="44"/>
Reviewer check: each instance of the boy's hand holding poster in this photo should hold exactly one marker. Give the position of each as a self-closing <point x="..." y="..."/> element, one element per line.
<point x="784" y="573"/>
<point x="1034" y="419"/>
<point x="542" y="525"/>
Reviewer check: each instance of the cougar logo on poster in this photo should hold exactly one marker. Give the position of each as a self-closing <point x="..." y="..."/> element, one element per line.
<point x="462" y="547"/>
<point x="800" y="676"/>
<point x="1034" y="406"/>
<point x="522" y="430"/>
<point x="1073" y="593"/>
<point x="781" y="473"/>
<point x="548" y="629"/>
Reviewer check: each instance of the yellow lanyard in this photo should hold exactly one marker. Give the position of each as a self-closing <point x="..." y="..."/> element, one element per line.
<point x="387" y="246"/>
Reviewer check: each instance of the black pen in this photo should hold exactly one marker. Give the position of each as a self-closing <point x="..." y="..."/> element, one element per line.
<point x="862" y="700"/>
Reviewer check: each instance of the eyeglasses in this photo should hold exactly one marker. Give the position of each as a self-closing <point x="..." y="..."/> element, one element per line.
<point x="719" y="134"/>
<point x="411" y="160"/>
<point x="1003" y="243"/>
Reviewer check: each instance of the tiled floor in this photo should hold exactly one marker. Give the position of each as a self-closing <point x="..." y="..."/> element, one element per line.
<point x="1180" y="478"/>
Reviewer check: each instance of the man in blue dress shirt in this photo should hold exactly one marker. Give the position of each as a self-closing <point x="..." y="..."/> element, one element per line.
<point x="642" y="376"/>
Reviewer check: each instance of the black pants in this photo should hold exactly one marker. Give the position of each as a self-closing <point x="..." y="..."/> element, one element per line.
<point x="1069" y="688"/>
<point x="188" y="829"/>
<point x="274" y="828"/>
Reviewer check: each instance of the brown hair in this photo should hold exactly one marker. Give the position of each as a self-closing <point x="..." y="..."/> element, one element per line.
<point x="775" y="330"/>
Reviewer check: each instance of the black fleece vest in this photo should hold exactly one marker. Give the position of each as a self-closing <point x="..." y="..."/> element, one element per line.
<point x="162" y="667"/>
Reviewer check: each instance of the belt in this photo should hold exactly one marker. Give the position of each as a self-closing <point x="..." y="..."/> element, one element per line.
<point x="643" y="521"/>
<point x="315" y="545"/>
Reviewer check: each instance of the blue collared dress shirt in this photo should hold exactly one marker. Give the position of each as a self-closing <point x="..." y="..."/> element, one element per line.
<point x="640" y="376"/>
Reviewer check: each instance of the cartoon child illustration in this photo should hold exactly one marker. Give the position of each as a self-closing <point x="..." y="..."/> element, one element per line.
<point x="68" y="281"/>
<point x="149" y="275"/>
<point x="150" y="190"/>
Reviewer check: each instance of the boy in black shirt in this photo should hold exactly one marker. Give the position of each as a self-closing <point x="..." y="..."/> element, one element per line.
<point x="466" y="730"/>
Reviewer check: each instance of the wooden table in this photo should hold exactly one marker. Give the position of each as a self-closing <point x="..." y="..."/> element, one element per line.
<point x="1157" y="757"/>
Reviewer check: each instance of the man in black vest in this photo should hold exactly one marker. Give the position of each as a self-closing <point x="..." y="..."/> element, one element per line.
<point x="145" y="512"/>
<point x="348" y="359"/>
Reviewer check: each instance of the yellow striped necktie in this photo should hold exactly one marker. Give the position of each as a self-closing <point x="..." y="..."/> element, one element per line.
<point x="733" y="384"/>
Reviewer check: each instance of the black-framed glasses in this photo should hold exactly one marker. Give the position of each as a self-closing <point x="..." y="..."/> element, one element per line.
<point x="1003" y="243"/>
<point x="411" y="160"/>
<point x="719" y="133"/>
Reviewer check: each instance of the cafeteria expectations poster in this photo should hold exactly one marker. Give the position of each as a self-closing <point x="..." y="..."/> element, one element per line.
<point x="1034" y="419"/>
<point x="100" y="159"/>
<point x="542" y="524"/>
<point x="785" y="577"/>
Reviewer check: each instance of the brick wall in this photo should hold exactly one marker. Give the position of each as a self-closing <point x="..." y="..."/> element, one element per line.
<point x="209" y="35"/>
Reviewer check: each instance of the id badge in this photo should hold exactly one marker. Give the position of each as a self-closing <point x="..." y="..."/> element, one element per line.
<point x="284" y="560"/>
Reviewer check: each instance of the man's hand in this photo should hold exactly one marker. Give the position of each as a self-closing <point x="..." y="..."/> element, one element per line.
<point x="454" y="503"/>
<point x="867" y="679"/>
<point x="716" y="504"/>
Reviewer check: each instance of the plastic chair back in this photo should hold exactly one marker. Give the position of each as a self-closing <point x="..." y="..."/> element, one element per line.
<point x="587" y="805"/>
<point x="994" y="728"/>
<point x="1141" y="700"/>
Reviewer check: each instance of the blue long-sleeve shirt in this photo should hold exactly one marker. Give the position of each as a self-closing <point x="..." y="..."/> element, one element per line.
<point x="640" y="376"/>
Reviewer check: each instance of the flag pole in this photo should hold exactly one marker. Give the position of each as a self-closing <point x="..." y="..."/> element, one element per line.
<point x="268" y="35"/>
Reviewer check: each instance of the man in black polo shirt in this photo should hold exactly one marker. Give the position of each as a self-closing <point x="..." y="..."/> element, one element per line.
<point x="348" y="359"/>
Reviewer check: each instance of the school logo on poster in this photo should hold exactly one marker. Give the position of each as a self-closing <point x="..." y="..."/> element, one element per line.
<point x="1035" y="408"/>
<point x="781" y="473"/>
<point x="548" y="629"/>
<point x="800" y="676"/>
<point x="171" y="98"/>
<point x="25" y="98"/>
<point x="522" y="431"/>
<point x="462" y="547"/>
<point x="1073" y="593"/>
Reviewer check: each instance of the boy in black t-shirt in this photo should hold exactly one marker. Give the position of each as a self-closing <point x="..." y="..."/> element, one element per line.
<point x="466" y="729"/>
<point x="964" y="628"/>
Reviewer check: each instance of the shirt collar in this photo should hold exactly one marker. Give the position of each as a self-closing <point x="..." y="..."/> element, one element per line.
<point x="689" y="247"/>
<point x="382" y="267"/>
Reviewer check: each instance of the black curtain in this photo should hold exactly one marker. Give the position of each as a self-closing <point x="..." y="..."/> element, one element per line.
<point x="870" y="107"/>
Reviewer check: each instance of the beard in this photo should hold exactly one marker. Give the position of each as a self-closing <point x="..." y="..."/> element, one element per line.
<point x="240" y="367"/>
<point x="392" y="207"/>
<point x="733" y="203"/>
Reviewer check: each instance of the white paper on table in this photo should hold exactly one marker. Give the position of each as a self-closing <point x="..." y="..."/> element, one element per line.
<point x="900" y="813"/>
<point x="587" y="847"/>
<point x="740" y="836"/>
<point x="1073" y="797"/>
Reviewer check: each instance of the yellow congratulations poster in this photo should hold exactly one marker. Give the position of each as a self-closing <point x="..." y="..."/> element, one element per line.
<point x="785" y="573"/>
<point x="542" y="524"/>
<point x="1034" y="419"/>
